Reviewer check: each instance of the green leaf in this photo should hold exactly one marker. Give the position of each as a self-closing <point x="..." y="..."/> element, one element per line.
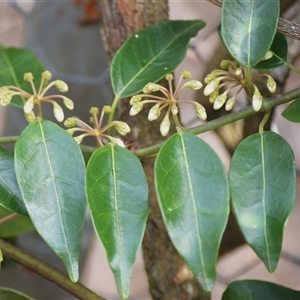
<point x="10" y="294"/>
<point x="10" y="194"/>
<point x="248" y="28"/>
<point x="262" y="179"/>
<point x="14" y="227"/>
<point x="150" y="54"/>
<point x="279" y="48"/>
<point x="50" y="172"/>
<point x="1" y="258"/>
<point x="14" y="62"/>
<point x="117" y="194"/>
<point x="193" y="195"/>
<point x="258" y="290"/>
<point x="292" y="112"/>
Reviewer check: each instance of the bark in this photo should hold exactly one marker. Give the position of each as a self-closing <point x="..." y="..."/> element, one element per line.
<point x="165" y="269"/>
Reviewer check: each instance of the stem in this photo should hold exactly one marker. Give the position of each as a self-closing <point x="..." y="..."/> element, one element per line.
<point x="46" y="271"/>
<point x="113" y="108"/>
<point x="8" y="218"/>
<point x="264" y="121"/>
<point x="297" y="71"/>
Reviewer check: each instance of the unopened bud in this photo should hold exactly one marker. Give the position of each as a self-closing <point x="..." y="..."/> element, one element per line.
<point x="194" y="85"/>
<point x="271" y="84"/>
<point x="136" y="108"/>
<point x="135" y="99"/>
<point x="68" y="103"/>
<point x="169" y="77"/>
<point x="186" y="74"/>
<point x="117" y="141"/>
<point x="5" y="96"/>
<point x="29" y="105"/>
<point x="28" y="77"/>
<point x="268" y="55"/>
<point x="256" y="100"/>
<point x="220" y="100"/>
<point x="58" y="112"/>
<point x="61" y="86"/>
<point x="70" y="122"/>
<point x="200" y="110"/>
<point x="174" y="109"/>
<point x="238" y="71"/>
<point x="230" y="103"/>
<point x="211" y="87"/>
<point x="30" y="117"/>
<point x="107" y="109"/>
<point x="208" y="78"/>
<point x="47" y="75"/>
<point x="213" y="96"/>
<point x="154" y="112"/>
<point x="225" y="63"/>
<point x="165" y="126"/>
<point x="151" y="87"/>
<point x="94" y="110"/>
<point x="78" y="139"/>
<point x="122" y="127"/>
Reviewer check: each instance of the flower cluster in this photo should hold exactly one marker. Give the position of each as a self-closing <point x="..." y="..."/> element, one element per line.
<point x="98" y="131"/>
<point x="168" y="101"/>
<point x="38" y="96"/>
<point x="233" y="75"/>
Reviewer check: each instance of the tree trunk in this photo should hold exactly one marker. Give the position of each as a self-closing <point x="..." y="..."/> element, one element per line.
<point x="165" y="269"/>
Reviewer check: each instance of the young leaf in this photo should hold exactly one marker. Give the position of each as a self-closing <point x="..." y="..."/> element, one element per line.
<point x="262" y="180"/>
<point x="14" y="63"/>
<point x="292" y="112"/>
<point x="10" y="195"/>
<point x="50" y="173"/>
<point x="279" y="48"/>
<point x="15" y="226"/>
<point x="248" y="28"/>
<point x="117" y="194"/>
<point x="10" y="294"/>
<point x="193" y="195"/>
<point x="256" y="289"/>
<point x="150" y="54"/>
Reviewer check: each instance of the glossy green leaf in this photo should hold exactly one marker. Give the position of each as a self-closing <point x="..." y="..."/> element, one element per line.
<point x="193" y="195"/>
<point x="262" y="179"/>
<point x="280" y="48"/>
<point x="11" y="294"/>
<point x="258" y="290"/>
<point x="117" y="194"/>
<point x="14" y="62"/>
<point x="15" y="226"/>
<point x="292" y="112"/>
<point x="10" y="194"/>
<point x="50" y="173"/>
<point x="248" y="28"/>
<point x="150" y="54"/>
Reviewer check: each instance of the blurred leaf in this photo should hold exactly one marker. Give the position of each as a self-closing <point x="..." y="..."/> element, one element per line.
<point x="14" y="227"/>
<point x="193" y="195"/>
<point x="14" y="62"/>
<point x="10" y="194"/>
<point x="11" y="294"/>
<point x="258" y="290"/>
<point x="248" y="28"/>
<point x="280" y="48"/>
<point x="50" y="172"/>
<point x="262" y="180"/>
<point x="117" y="194"/>
<point x="292" y="112"/>
<point x="150" y="54"/>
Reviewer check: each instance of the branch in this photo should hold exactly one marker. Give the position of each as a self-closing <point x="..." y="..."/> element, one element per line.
<point x="288" y="28"/>
<point x="46" y="271"/>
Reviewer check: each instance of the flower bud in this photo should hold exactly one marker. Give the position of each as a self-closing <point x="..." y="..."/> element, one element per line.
<point x="61" y="86"/>
<point x="211" y="87"/>
<point x="186" y="74"/>
<point x="5" y="96"/>
<point x="68" y="103"/>
<point x="29" y="105"/>
<point x="136" y="108"/>
<point x="271" y="84"/>
<point x="107" y="109"/>
<point x="151" y="87"/>
<point x="28" y="77"/>
<point x="174" y="109"/>
<point x="78" y="139"/>
<point x="200" y="110"/>
<point x="30" y="117"/>
<point x="213" y="96"/>
<point x="256" y="100"/>
<point x="230" y="103"/>
<point x="238" y="71"/>
<point x="268" y="55"/>
<point x="210" y="77"/>
<point x="169" y="77"/>
<point x="70" y="122"/>
<point x="122" y="127"/>
<point x="94" y="110"/>
<point x="220" y="100"/>
<point x="225" y="63"/>
<point x="58" y="112"/>
<point x="194" y="85"/>
<point x="47" y="75"/>
<point x="154" y="112"/>
<point x="116" y="141"/>
<point x="135" y="99"/>
<point x="165" y="126"/>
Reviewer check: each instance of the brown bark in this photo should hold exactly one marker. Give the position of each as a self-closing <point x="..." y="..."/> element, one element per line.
<point x="162" y="263"/>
